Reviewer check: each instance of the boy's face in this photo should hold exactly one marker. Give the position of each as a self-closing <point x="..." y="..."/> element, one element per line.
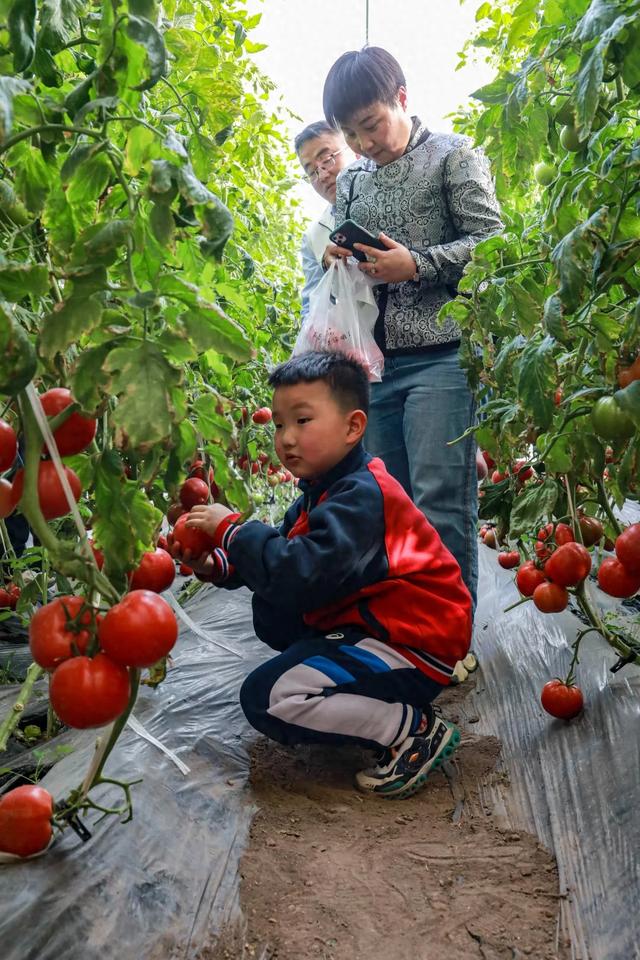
<point x="312" y="432"/>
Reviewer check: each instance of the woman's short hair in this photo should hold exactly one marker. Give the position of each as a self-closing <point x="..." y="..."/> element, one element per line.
<point x="359" y="78"/>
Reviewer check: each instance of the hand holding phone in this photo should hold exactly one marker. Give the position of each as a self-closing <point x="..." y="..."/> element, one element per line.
<point x="349" y="233"/>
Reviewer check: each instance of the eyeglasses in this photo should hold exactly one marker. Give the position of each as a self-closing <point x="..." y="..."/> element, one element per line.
<point x="323" y="166"/>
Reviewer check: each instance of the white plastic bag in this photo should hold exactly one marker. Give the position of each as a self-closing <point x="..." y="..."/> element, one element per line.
<point x="342" y="316"/>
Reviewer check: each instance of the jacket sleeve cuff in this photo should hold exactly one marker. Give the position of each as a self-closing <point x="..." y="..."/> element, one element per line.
<point x="222" y="569"/>
<point x="226" y="530"/>
<point x="425" y="268"/>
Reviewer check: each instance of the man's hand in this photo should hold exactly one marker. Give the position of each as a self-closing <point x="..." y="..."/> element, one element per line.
<point x="207" y="517"/>
<point x="387" y="266"/>
<point x="333" y="253"/>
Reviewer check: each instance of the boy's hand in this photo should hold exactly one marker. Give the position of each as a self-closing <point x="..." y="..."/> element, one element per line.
<point x="207" y="517"/>
<point x="202" y="564"/>
<point x="392" y="265"/>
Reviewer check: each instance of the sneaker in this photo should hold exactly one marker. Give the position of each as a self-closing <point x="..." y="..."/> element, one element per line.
<point x="404" y="769"/>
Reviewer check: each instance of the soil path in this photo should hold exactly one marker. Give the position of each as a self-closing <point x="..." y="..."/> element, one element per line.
<point x="333" y="875"/>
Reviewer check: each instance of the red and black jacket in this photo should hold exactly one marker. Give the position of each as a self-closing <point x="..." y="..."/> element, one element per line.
<point x="353" y="550"/>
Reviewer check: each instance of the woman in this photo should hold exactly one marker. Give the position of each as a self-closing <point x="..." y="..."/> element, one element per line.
<point x="430" y="199"/>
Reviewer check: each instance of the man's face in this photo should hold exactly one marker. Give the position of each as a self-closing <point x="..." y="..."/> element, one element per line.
<point x="314" y="152"/>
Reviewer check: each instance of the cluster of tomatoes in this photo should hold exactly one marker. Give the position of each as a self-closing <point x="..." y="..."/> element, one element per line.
<point x="275" y="473"/>
<point x="519" y="469"/>
<point x="72" y="437"/>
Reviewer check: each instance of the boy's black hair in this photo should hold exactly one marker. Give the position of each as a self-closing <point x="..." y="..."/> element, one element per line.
<point x="346" y="378"/>
<point x="359" y="78"/>
<point x="312" y="131"/>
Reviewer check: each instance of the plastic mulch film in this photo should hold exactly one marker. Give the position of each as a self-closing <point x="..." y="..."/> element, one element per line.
<point x="576" y="785"/>
<point x="162" y="885"/>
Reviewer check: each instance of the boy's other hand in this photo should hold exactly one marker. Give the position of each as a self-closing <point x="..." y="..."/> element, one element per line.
<point x="207" y="517"/>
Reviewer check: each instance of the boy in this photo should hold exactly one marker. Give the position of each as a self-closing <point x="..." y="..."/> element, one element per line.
<point x="355" y="588"/>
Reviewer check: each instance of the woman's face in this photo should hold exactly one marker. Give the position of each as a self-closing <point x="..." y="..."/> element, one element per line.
<point x="380" y="132"/>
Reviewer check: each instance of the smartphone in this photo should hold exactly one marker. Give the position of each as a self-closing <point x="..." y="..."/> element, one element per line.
<point x="351" y="232"/>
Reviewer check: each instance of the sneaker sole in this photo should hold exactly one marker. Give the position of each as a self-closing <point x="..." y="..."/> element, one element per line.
<point x="420" y="780"/>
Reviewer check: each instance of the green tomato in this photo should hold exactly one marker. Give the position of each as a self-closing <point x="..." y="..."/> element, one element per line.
<point x="610" y="421"/>
<point x="545" y="173"/>
<point x="570" y="140"/>
<point x="565" y="112"/>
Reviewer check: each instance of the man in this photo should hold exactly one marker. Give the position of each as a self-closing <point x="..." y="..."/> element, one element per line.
<point x="323" y="153"/>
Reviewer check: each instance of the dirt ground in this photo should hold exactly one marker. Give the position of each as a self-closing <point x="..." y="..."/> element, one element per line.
<point x="330" y="874"/>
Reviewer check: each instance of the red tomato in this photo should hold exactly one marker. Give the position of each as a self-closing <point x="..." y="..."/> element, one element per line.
<point x="509" y="560"/>
<point x="528" y="578"/>
<point x="616" y="580"/>
<point x="561" y="700"/>
<point x="5" y="599"/>
<point x="557" y="397"/>
<point x="545" y="532"/>
<point x="88" y="693"/>
<point x="288" y="476"/>
<point x="99" y="555"/>
<point x="591" y="529"/>
<point x="25" y="820"/>
<point x="53" y="501"/>
<point x="163" y="543"/>
<point x="521" y="471"/>
<point x="156" y="571"/>
<point x="7" y="499"/>
<point x="174" y="513"/>
<point x="489" y="539"/>
<point x="191" y="538"/>
<point x="198" y="470"/>
<point x="55" y="627"/>
<point x="564" y="534"/>
<point x="628" y="548"/>
<point x="498" y="477"/>
<point x="8" y="446"/>
<point x="77" y="432"/>
<point x="488" y="459"/>
<point x="550" y="598"/>
<point x="569" y="565"/>
<point x="263" y="415"/>
<point x="9" y="596"/>
<point x="186" y="570"/>
<point x="138" y="631"/>
<point x="263" y="458"/>
<point x="542" y="551"/>
<point x="193" y="492"/>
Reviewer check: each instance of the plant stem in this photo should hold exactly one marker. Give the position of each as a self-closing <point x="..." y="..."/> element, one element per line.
<point x="12" y="719"/>
<point x="603" y="500"/>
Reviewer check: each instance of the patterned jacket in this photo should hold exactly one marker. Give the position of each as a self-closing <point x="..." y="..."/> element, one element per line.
<point x="438" y="200"/>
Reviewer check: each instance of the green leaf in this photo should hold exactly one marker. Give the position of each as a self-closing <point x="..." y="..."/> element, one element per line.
<point x="597" y="19"/>
<point x="125" y="521"/>
<point x="67" y="323"/>
<point x="535" y="501"/>
<point x="89" y="381"/>
<point x="18" y="362"/>
<point x="217" y="227"/>
<point x="495" y="92"/>
<point x="142" y="31"/>
<point x="59" y="22"/>
<point x="21" y="24"/>
<point x="572" y="258"/>
<point x="139" y="142"/>
<point x="103" y="239"/>
<point x="10" y="87"/>
<point x="142" y="381"/>
<point x="211" y="328"/>
<point x="554" y="321"/>
<point x="537" y="379"/>
<point x="162" y="223"/>
<point x="587" y="89"/>
<point x="19" y="280"/>
<point x="33" y="180"/>
<point x="559" y="459"/>
<point x="629" y="400"/>
<point x="90" y="180"/>
<point x="211" y="424"/>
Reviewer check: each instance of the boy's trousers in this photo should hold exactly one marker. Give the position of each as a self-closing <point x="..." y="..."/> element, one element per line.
<point x="340" y="687"/>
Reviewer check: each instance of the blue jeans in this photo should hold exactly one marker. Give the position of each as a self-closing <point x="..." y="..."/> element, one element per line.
<point x="424" y="401"/>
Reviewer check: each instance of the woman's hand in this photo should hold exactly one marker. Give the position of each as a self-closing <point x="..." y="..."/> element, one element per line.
<point x="393" y="265"/>
<point x="333" y="253"/>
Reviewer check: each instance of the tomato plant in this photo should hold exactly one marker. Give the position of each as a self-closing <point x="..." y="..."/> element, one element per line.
<point x="193" y="491"/>
<point x="25" y="820"/>
<point x="509" y="559"/>
<point x="569" y="565"/>
<point x="56" y="628"/>
<point x="550" y="308"/>
<point x="528" y="578"/>
<point x="561" y="699"/>
<point x="140" y="630"/>
<point x="550" y="597"/>
<point x="51" y="496"/>
<point x="77" y="431"/>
